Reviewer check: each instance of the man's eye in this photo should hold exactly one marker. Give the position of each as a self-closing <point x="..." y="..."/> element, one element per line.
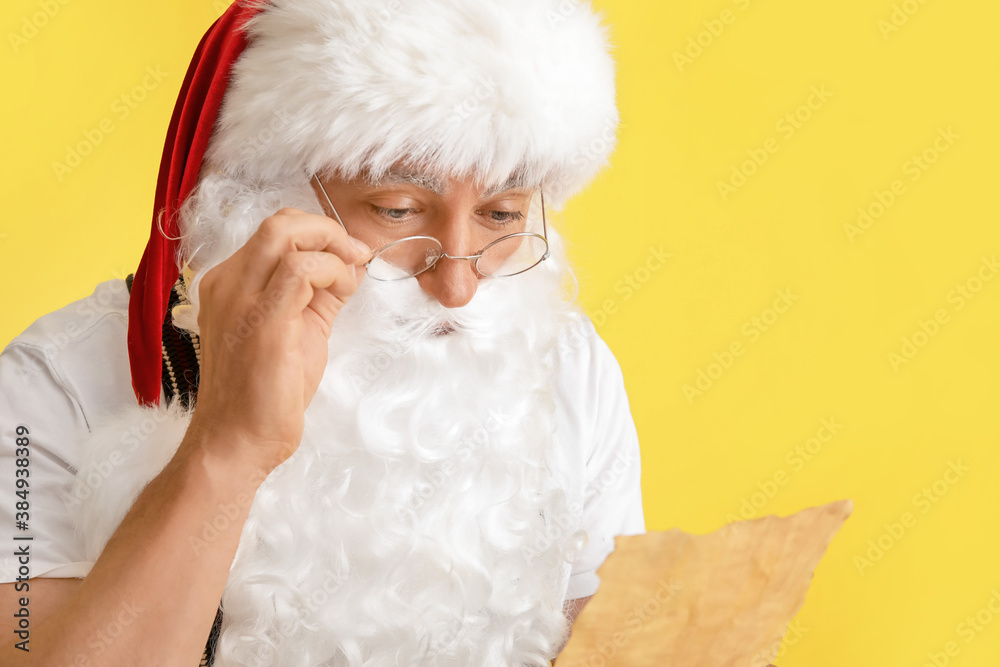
<point x="506" y="216"/>
<point x="392" y="213"/>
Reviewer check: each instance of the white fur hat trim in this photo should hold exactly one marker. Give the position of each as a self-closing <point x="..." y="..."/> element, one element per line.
<point x="487" y="88"/>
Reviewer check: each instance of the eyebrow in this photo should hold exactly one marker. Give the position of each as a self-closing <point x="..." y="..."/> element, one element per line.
<point x="397" y="176"/>
<point x="516" y="180"/>
<point x="436" y="185"/>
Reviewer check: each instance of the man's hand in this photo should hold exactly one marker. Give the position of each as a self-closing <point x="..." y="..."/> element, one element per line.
<point x="265" y="319"/>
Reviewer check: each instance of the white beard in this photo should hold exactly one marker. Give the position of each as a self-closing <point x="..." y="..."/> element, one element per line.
<point x="405" y="528"/>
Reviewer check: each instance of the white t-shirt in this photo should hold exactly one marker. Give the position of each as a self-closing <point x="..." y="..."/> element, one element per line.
<point x="71" y="365"/>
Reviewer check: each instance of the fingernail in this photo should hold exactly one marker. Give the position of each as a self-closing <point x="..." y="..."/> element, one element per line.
<point x="361" y="246"/>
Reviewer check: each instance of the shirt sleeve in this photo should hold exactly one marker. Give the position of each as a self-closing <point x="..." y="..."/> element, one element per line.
<point x="33" y="400"/>
<point x="612" y="495"/>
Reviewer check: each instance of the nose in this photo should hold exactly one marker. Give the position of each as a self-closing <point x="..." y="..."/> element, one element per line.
<point x="452" y="282"/>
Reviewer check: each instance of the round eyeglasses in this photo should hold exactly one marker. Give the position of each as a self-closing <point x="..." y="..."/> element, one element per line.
<point x="410" y="256"/>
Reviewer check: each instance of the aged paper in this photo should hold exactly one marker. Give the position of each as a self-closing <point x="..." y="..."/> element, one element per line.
<point x="671" y="599"/>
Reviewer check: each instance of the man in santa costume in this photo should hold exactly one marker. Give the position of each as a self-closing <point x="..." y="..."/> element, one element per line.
<point x="346" y="411"/>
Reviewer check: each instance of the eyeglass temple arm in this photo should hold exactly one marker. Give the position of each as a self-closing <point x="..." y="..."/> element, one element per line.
<point x="327" y="197"/>
<point x="545" y="231"/>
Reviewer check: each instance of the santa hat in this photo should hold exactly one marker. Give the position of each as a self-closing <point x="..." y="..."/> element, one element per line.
<point x="487" y="88"/>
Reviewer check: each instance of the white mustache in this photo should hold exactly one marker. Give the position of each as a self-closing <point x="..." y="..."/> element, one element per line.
<point x="403" y="310"/>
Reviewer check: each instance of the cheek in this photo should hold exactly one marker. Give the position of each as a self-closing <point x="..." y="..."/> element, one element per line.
<point x="373" y="237"/>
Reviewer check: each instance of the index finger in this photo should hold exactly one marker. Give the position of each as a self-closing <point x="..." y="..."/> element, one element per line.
<point x="291" y="230"/>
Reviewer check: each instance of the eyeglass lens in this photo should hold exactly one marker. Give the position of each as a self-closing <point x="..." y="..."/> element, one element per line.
<point x="505" y="257"/>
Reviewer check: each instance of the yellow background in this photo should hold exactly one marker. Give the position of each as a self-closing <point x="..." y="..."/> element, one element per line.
<point x="685" y="127"/>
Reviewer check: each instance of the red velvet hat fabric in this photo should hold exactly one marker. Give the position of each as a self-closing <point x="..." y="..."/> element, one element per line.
<point x="194" y="116"/>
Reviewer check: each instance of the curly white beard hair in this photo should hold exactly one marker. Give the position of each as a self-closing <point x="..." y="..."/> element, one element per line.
<point x="422" y="519"/>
